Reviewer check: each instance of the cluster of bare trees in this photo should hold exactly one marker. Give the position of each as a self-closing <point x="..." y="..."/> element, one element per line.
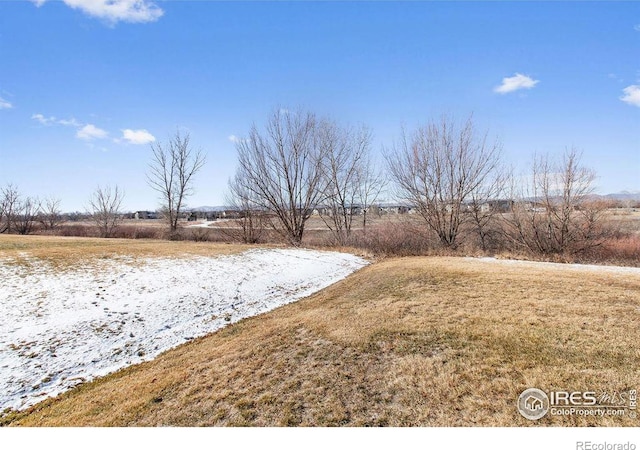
<point x="450" y="174"/>
<point x="296" y="164"/>
<point x="171" y="173"/>
<point x="553" y="211"/>
<point x="19" y="214"/>
<point x="455" y="180"/>
<point x="22" y="215"/>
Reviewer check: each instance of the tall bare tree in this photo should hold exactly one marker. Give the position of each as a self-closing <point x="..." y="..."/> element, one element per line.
<point x="282" y="166"/>
<point x="553" y="210"/>
<point x="437" y="169"/>
<point x="104" y="206"/>
<point x="351" y="184"/>
<point x="171" y="174"/>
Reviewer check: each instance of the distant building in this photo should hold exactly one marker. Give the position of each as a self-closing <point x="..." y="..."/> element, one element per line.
<point x="145" y="215"/>
<point x="391" y="208"/>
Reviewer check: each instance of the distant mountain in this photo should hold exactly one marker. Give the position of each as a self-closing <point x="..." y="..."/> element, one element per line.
<point x="624" y="195"/>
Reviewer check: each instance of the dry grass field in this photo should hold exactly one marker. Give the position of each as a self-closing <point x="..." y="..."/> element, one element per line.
<point x="420" y="341"/>
<point x="64" y="251"/>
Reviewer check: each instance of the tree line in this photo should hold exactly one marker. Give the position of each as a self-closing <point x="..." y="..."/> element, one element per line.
<point x="297" y="165"/>
<point x="449" y="173"/>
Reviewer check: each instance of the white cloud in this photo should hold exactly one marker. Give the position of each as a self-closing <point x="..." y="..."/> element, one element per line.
<point x="53" y="121"/>
<point x="133" y="11"/>
<point x="44" y="120"/>
<point x="631" y="95"/>
<point x="90" y="132"/>
<point x="113" y="11"/>
<point x="86" y="132"/>
<point x="69" y="122"/>
<point x="514" y="83"/>
<point x="637" y="27"/>
<point x="4" y="104"/>
<point x="138" y="137"/>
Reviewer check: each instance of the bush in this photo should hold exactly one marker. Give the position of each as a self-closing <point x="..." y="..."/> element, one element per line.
<point x="621" y="250"/>
<point x="199" y="235"/>
<point x="77" y="230"/>
<point x="135" y="232"/>
<point x="395" y="239"/>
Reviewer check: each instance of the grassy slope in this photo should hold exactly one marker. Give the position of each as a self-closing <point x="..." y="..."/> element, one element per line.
<point x="412" y="341"/>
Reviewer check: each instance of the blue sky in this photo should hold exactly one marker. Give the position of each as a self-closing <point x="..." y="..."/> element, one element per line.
<point x="85" y="85"/>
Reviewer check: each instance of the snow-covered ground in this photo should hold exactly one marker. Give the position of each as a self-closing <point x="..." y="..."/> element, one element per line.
<point x="59" y="328"/>
<point x="562" y="266"/>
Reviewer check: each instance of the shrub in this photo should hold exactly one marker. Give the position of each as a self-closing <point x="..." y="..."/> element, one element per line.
<point x="395" y="239"/>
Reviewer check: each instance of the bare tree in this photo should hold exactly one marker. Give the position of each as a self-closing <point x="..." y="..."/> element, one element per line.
<point x="50" y="215"/>
<point x="351" y="184"/>
<point x="25" y="215"/>
<point x="172" y="169"/>
<point x="250" y="225"/>
<point x="105" y="205"/>
<point x="437" y="169"/>
<point x="282" y="167"/>
<point x="553" y="209"/>
<point x="9" y="203"/>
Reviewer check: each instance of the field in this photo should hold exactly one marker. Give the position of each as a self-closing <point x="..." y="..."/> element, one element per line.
<point x="416" y="341"/>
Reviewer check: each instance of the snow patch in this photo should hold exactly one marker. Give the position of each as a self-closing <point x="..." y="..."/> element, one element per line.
<point x="63" y="328"/>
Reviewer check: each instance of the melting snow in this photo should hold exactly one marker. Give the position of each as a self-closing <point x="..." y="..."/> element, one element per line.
<point x="61" y="328"/>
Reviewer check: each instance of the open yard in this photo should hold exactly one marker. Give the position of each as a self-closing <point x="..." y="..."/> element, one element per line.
<point x="64" y="324"/>
<point x="421" y="341"/>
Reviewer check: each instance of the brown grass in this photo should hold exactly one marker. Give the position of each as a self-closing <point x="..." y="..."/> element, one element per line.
<point x="405" y="342"/>
<point x="69" y="250"/>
